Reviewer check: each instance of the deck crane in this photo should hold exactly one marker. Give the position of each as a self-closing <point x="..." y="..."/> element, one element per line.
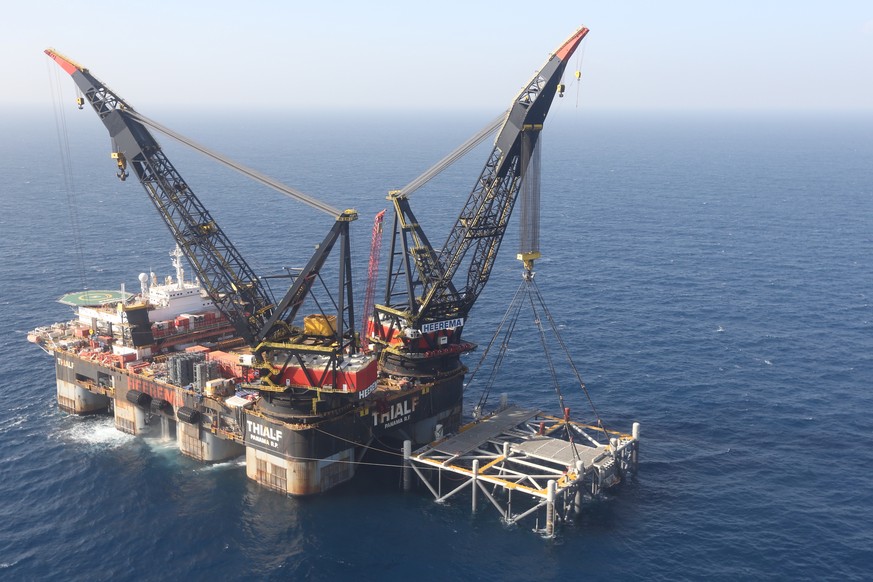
<point x="427" y="301"/>
<point x="266" y="323"/>
<point x="372" y="273"/>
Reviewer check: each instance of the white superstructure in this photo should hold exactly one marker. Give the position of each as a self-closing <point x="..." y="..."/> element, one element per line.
<point x="173" y="298"/>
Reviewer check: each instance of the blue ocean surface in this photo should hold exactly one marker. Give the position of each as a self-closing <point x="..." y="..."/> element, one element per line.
<point x="711" y="273"/>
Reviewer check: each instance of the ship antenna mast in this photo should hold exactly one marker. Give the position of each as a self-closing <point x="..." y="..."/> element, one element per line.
<point x="177" y="263"/>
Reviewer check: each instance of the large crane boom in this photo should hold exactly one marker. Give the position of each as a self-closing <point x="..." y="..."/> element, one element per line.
<point x="228" y="279"/>
<point x="482" y="223"/>
<point x="262" y="321"/>
<point x="423" y="294"/>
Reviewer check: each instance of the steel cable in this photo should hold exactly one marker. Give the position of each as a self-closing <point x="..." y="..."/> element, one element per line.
<point x="529" y="282"/>
<point x="453" y="156"/>
<point x="514" y="304"/>
<point x="245" y="170"/>
<point x="67" y="168"/>
<point x="563" y="345"/>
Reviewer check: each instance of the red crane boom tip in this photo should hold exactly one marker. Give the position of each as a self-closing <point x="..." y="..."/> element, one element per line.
<point x="66" y="64"/>
<point x="571" y="43"/>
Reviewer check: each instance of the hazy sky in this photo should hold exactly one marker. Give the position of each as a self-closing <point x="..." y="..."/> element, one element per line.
<point x="447" y="55"/>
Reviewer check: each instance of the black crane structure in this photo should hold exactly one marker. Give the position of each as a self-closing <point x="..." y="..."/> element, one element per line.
<point x="262" y="321"/>
<point x="426" y="301"/>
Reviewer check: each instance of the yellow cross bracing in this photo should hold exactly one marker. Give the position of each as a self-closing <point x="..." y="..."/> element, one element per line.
<point x="513" y="450"/>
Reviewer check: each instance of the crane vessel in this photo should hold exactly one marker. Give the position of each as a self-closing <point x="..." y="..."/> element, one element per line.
<point x="227" y="367"/>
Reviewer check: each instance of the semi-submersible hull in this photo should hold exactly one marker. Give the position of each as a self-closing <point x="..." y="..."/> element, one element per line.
<point x="297" y="455"/>
<point x="167" y="364"/>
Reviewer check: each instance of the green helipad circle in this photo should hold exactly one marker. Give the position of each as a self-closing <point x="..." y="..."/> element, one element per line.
<point x="93" y="297"/>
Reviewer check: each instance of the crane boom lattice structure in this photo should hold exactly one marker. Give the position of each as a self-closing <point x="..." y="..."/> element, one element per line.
<point x="372" y="274"/>
<point x="229" y="280"/>
<point x="258" y="318"/>
<point x="427" y="300"/>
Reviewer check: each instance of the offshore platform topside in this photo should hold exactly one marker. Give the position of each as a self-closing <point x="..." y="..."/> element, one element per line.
<point x="226" y="367"/>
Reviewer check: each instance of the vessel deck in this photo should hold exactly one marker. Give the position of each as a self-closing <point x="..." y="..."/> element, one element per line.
<point x="94" y="297"/>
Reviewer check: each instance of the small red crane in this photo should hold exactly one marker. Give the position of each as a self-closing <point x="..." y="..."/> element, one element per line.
<point x="372" y="272"/>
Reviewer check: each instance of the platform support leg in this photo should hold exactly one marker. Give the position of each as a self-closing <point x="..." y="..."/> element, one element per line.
<point x="407" y="473"/>
<point x="635" y="433"/>
<point x="168" y="429"/>
<point x="577" y="495"/>
<point x="475" y="483"/>
<point x="550" y="508"/>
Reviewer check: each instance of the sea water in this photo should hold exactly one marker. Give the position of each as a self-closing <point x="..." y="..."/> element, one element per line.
<point x="710" y="272"/>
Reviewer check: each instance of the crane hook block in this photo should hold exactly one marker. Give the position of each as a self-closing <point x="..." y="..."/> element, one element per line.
<point x="122" y="165"/>
<point x="80" y="101"/>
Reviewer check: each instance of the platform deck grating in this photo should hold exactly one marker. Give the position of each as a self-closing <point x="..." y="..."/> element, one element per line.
<point x="558" y="450"/>
<point x="484" y="430"/>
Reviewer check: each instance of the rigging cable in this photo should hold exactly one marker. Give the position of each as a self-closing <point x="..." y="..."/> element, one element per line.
<point x="454" y="156"/>
<point x="67" y="168"/>
<point x="530" y="295"/>
<point x="514" y="309"/>
<point x="367" y="446"/>
<point x="246" y="171"/>
<point x="579" y="56"/>
<point x="563" y="345"/>
<point x="529" y="290"/>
